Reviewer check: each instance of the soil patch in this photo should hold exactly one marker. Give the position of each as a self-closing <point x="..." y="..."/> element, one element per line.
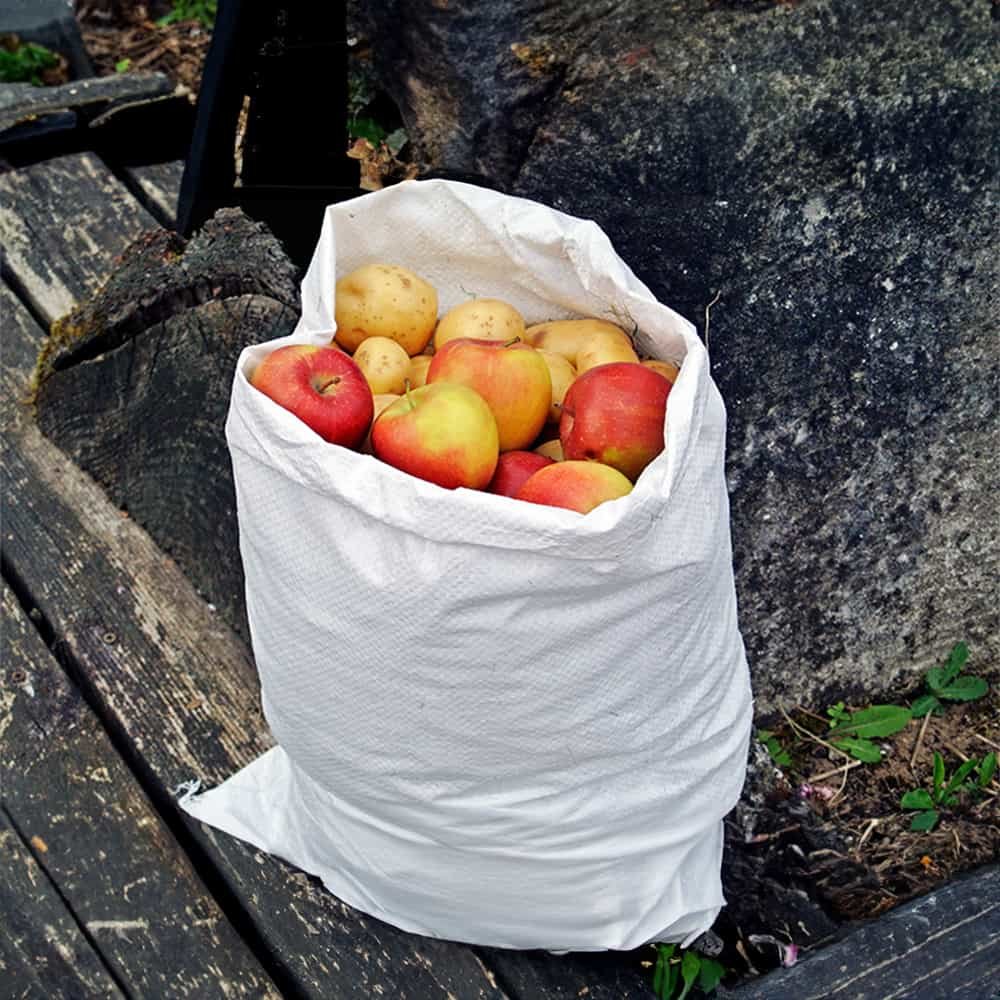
<point x="122" y="36"/>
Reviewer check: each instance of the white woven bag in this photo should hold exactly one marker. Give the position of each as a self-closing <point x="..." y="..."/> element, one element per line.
<point x="497" y="722"/>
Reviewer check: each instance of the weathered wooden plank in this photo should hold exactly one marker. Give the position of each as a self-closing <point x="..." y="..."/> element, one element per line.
<point x="62" y="223"/>
<point x="178" y="687"/>
<point x="943" y="946"/>
<point x="21" y="339"/>
<point x="160" y="187"/>
<point x="538" y="975"/>
<point x="21" y="103"/>
<point x="114" y="862"/>
<point x="43" y="953"/>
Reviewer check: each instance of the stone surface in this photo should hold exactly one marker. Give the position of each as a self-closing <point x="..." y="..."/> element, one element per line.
<point x="50" y="23"/>
<point x="825" y="172"/>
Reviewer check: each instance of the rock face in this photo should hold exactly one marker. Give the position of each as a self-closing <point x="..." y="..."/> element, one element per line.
<point x="824" y="172"/>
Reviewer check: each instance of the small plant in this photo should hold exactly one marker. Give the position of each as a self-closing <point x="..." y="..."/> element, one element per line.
<point x="853" y="732"/>
<point x="948" y="683"/>
<point x="682" y="969"/>
<point x="25" y="62"/>
<point x="778" y="753"/>
<point x="123" y="65"/>
<point x="945" y="791"/>
<point x="202" y="11"/>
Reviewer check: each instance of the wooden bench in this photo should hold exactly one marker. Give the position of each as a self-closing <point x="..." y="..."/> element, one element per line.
<point x="111" y="651"/>
<point x="120" y="684"/>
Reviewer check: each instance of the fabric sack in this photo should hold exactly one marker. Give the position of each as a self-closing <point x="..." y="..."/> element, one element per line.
<point x="496" y="722"/>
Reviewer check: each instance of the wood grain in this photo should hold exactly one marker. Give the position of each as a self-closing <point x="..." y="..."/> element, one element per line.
<point x="43" y="953"/>
<point x="176" y="687"/>
<point x="159" y="185"/>
<point x="120" y="873"/>
<point x="62" y="224"/>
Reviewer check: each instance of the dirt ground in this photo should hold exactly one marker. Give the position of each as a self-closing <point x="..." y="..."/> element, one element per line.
<point x="123" y="33"/>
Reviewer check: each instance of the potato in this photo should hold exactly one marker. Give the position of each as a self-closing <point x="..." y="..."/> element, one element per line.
<point x="551" y="449"/>
<point x="667" y="369"/>
<point x="384" y="364"/>
<point x="418" y="370"/>
<point x="569" y="336"/>
<point x="381" y="401"/>
<point x="385" y="300"/>
<point x="562" y="373"/>
<point x="603" y="348"/>
<point x="483" y="319"/>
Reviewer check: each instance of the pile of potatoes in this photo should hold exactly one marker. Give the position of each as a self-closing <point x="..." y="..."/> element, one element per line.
<point x="387" y="318"/>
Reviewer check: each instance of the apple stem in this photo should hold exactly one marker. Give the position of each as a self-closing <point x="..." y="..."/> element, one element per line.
<point x="323" y="386"/>
<point x="512" y="341"/>
<point x="406" y="392"/>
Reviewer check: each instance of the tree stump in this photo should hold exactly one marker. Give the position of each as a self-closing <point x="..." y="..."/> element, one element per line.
<point x="134" y="385"/>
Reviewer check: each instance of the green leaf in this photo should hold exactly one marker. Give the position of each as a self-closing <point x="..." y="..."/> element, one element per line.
<point x="938" y="775"/>
<point x="837" y="713"/>
<point x="710" y="974"/>
<point x="658" y="976"/>
<point x="690" y="965"/>
<point x="924" y="821"/>
<point x="673" y="975"/>
<point x="778" y="753"/>
<point x="987" y="769"/>
<point x="879" y="720"/>
<point x="964" y="689"/>
<point x="924" y="704"/>
<point x="958" y="656"/>
<point x="919" y="798"/>
<point x="859" y="749"/>
<point x="957" y="778"/>
<point x="367" y="128"/>
<point x="122" y="66"/>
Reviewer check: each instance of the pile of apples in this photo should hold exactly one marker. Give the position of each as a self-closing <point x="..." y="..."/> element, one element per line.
<point x="561" y="413"/>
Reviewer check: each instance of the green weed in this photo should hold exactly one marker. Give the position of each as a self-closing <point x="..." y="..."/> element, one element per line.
<point x="25" y="62"/>
<point x="680" y="969"/>
<point x="945" y="791"/>
<point x="948" y="683"/>
<point x="202" y="11"/>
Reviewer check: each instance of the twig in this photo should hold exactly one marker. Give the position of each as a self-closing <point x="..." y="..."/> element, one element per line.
<point x="920" y="740"/>
<point x="868" y="831"/>
<point x="812" y="779"/>
<point x="988" y="742"/>
<point x="958" y="843"/>
<point x="762" y="838"/>
<point x="818" y="718"/>
<point x="708" y="314"/>
<point x="843" y="784"/>
<point x="802" y="731"/>
<point x="746" y="958"/>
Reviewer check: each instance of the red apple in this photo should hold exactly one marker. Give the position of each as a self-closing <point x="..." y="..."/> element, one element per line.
<point x="512" y="377"/>
<point x="443" y="433"/>
<point x="514" y="469"/>
<point x="322" y="386"/>
<point x="578" y="486"/>
<point x="615" y="414"/>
